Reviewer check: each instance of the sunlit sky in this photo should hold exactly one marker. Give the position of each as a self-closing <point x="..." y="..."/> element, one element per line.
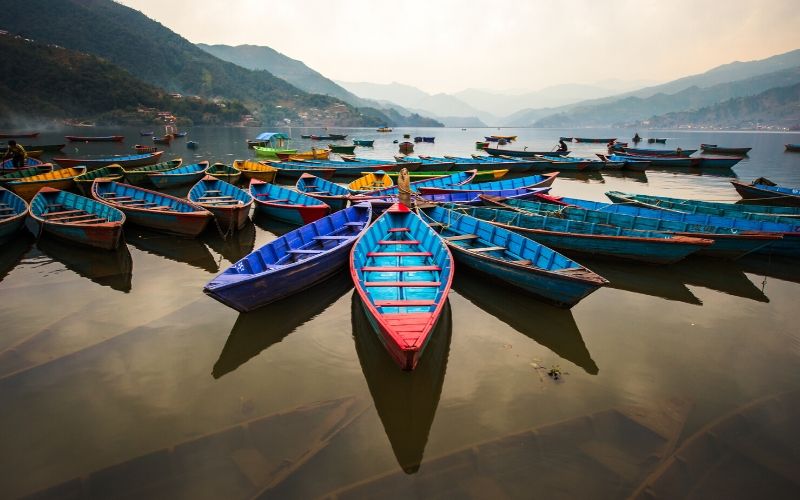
<point x="450" y="45"/>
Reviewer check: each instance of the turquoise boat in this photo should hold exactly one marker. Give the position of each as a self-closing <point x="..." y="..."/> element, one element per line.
<point x="85" y="180"/>
<point x="512" y="258"/>
<point x="482" y="163"/>
<point x="591" y="238"/>
<point x="764" y="213"/>
<point x="286" y="205"/>
<point x="13" y="211"/>
<point x="181" y="176"/>
<point x="729" y="243"/>
<point x="570" y="163"/>
<point x="402" y="272"/>
<point x="331" y="193"/>
<point x="529" y="182"/>
<point x="364" y="142"/>
<point x="229" y="204"/>
<point x="139" y="175"/>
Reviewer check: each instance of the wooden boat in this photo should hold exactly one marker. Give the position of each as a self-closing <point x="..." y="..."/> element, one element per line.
<point x="481" y="144"/>
<point x="766" y="213"/>
<point x="334" y="195"/>
<point x="256" y="170"/>
<point x="229" y="204"/>
<point x="749" y="451"/>
<point x="795" y="148"/>
<point x="287" y="171"/>
<point x="272" y="153"/>
<point x="320" y="137"/>
<point x="733" y="238"/>
<point x="139" y="175"/>
<point x="179" y="176"/>
<point x="152" y="209"/>
<point x="568" y="163"/>
<point x="314" y="154"/>
<point x="529" y="182"/>
<point x="653" y="140"/>
<point x="27" y="187"/>
<point x="383" y="129"/>
<point x="224" y="172"/>
<point x="514" y="165"/>
<point x="145" y="149"/>
<point x="427" y="162"/>
<point x="83" y="138"/>
<point x="516" y="153"/>
<point x="244" y="460"/>
<point x="625" y="161"/>
<point x="565" y="139"/>
<point x="661" y="160"/>
<point x="34" y="154"/>
<point x="252" y="143"/>
<point x="179" y="134"/>
<point x="766" y="191"/>
<point x="38" y="147"/>
<point x="17" y="135"/>
<point x="128" y="161"/>
<point x="165" y="139"/>
<point x="405" y="402"/>
<point x="460" y="198"/>
<point x="508" y="138"/>
<point x="76" y="219"/>
<point x="86" y="179"/>
<point x="25" y="172"/>
<point x="590" y="238"/>
<point x="512" y="258"/>
<point x="364" y="142"/>
<point x="7" y="166"/>
<point x="720" y="150"/>
<point x="370" y="182"/>
<point x="718" y="161"/>
<point x="191" y="144"/>
<point x="343" y="149"/>
<point x="286" y="205"/>
<point x="402" y="272"/>
<point x="655" y="152"/>
<point x="451" y="180"/>
<point x="595" y="140"/>
<point x="291" y="263"/>
<point x="406" y="147"/>
<point x="480" y="176"/>
<point x="13" y="211"/>
<point x="338" y="137"/>
<point x="605" y="454"/>
<point x="146" y="133"/>
<point x="424" y="139"/>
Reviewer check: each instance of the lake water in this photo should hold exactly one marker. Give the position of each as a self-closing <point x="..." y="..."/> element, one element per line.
<point x="117" y="369"/>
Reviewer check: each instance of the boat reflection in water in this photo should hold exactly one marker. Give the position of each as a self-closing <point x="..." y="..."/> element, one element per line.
<point x="12" y="251"/>
<point x="781" y="268"/>
<point x="275" y="227"/>
<point x="656" y="281"/>
<point x="113" y="269"/>
<point x="406" y="401"/>
<point x="233" y="247"/>
<point x="246" y="460"/>
<point x="606" y="454"/>
<point x="547" y="325"/>
<point x="257" y="330"/>
<point x="628" y="175"/>
<point x="187" y="250"/>
<point x="720" y="275"/>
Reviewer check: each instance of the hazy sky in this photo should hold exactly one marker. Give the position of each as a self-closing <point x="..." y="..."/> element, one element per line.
<point x="450" y="45"/>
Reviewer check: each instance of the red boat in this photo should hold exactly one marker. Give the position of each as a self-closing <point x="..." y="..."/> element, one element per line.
<point x="106" y="138"/>
<point x="13" y="135"/>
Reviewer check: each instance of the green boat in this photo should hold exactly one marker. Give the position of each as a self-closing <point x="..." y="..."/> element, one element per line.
<point x="85" y="180"/>
<point x="138" y="175"/>
<point x="481" y="176"/>
<point x="272" y="153"/>
<point x="341" y="149"/>
<point x="25" y="172"/>
<point x="271" y="144"/>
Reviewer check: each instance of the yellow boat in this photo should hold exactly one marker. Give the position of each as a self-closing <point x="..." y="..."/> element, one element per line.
<point x="314" y="154"/>
<point x="384" y="129"/>
<point x="27" y="187"/>
<point x="370" y="182"/>
<point x="256" y="170"/>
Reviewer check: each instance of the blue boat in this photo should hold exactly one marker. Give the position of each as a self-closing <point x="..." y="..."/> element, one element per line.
<point x="191" y="144"/>
<point x="286" y="205"/>
<point x="529" y="182"/>
<point x="229" y="204"/>
<point x="718" y="161"/>
<point x="729" y="243"/>
<point x="364" y="142"/>
<point x="574" y="163"/>
<point x="76" y="219"/>
<point x="402" y="271"/>
<point x="181" y="176"/>
<point x="329" y="192"/>
<point x="625" y="161"/>
<point x="427" y="163"/>
<point x="450" y="180"/>
<point x="656" y="152"/>
<point x="591" y="238"/>
<point x="532" y="162"/>
<point x="485" y="163"/>
<point x="152" y="209"/>
<point x="513" y="258"/>
<point x="8" y="165"/>
<point x="765" y="213"/>
<point x="766" y="191"/>
<point x="13" y="211"/>
<point x="463" y="197"/>
<point x="291" y="263"/>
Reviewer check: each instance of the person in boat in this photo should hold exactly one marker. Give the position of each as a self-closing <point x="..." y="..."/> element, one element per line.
<point x="562" y="146"/>
<point x="17" y="154"/>
<point x="636" y="138"/>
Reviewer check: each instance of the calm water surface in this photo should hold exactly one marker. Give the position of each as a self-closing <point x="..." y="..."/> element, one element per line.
<point x="115" y="368"/>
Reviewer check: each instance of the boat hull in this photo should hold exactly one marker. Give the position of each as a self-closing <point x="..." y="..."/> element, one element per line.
<point x="293" y="214"/>
<point x="105" y="236"/>
<point x="765" y="196"/>
<point x="92" y="163"/>
<point x="167" y="181"/>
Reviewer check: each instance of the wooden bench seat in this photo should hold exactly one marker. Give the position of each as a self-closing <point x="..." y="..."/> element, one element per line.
<point x="398" y="242"/>
<point x="403" y="303"/>
<point x="88" y="221"/>
<point x="398" y="230"/>
<point x="399" y="269"/>
<point x="404" y="284"/>
<point x="63" y="212"/>
<point x="461" y="237"/>
<point x="486" y="249"/>
<point x="399" y="254"/>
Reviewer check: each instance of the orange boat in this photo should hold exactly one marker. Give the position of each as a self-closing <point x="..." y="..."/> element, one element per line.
<point x="256" y="170"/>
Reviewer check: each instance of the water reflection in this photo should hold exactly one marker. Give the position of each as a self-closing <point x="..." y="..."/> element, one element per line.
<point x="256" y="331"/>
<point x="656" y="281"/>
<point x="186" y="250"/>
<point x="275" y="227"/>
<point x="406" y="401"/>
<point x="108" y="268"/>
<point x="628" y="175"/>
<point x="236" y="246"/>
<point x="12" y="251"/>
<point x="586" y="177"/>
<point x="550" y="326"/>
<point x="715" y="274"/>
<point x="781" y="268"/>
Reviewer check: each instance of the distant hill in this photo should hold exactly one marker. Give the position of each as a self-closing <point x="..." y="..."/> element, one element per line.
<point x="161" y="57"/>
<point x="500" y="104"/>
<point x="776" y="107"/>
<point x="87" y="88"/>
